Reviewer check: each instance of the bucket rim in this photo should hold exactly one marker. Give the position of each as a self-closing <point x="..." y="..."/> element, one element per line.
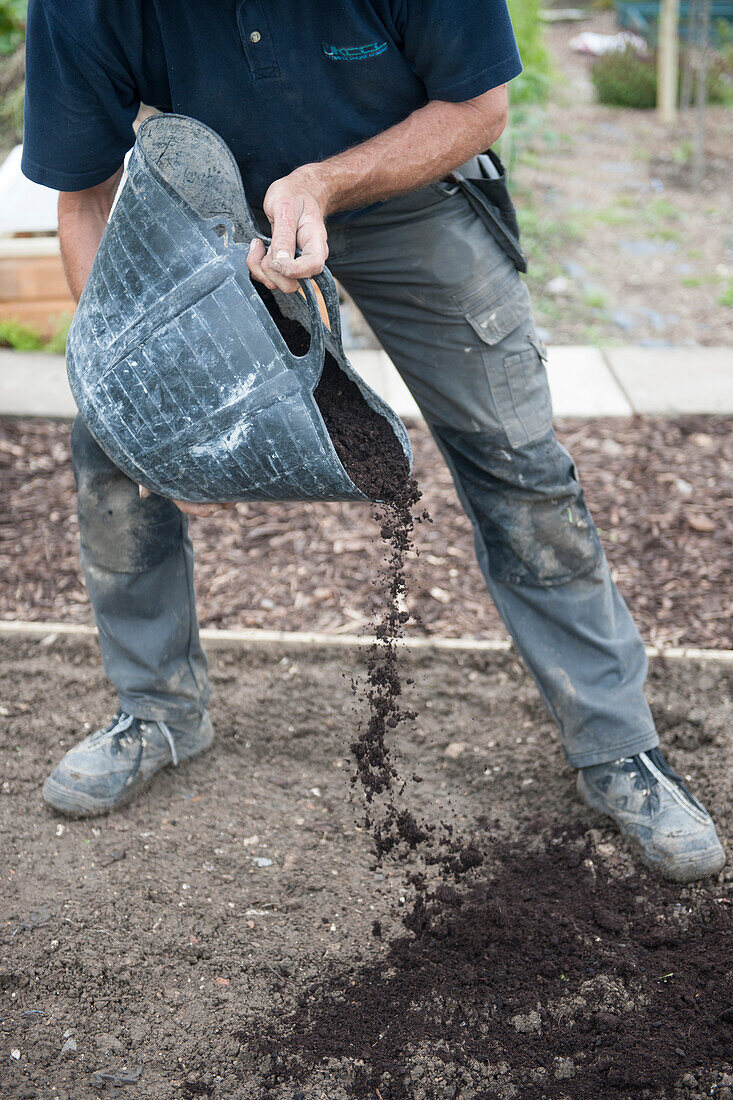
<point x="166" y="118"/>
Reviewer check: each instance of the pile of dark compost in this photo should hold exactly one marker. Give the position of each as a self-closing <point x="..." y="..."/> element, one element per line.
<point x="228" y="935"/>
<point x="544" y="972"/>
<point x="659" y="490"/>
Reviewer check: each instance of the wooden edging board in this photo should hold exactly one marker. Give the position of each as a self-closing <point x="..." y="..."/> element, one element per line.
<point x="214" y="639"/>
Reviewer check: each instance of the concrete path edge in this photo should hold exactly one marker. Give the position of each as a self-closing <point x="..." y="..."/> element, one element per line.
<point x="584" y="381"/>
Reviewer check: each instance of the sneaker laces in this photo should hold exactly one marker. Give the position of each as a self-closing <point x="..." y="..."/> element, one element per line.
<point x="654" y="770"/>
<point x="123" y="722"/>
<point x="116" y="730"/>
<point x="171" y="741"/>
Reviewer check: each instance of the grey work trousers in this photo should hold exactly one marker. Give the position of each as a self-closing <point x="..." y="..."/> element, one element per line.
<point x="452" y="313"/>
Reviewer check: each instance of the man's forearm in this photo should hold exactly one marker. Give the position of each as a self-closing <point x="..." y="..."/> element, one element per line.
<point x="82" y="218"/>
<point x="424" y="148"/>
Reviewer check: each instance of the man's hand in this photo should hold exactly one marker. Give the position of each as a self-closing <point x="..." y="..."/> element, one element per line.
<point x="296" y="208"/>
<point x="189" y="509"/>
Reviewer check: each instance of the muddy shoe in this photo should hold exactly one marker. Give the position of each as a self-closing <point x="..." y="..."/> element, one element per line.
<point x="651" y="805"/>
<point x="110" y="766"/>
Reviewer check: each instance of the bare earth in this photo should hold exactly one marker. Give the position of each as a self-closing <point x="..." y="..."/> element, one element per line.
<point x="218" y="937"/>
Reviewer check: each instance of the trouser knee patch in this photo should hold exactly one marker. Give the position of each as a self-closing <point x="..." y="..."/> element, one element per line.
<point x="527" y="505"/>
<point x="118" y="530"/>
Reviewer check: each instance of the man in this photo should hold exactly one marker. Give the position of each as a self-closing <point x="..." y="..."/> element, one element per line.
<point x="346" y="121"/>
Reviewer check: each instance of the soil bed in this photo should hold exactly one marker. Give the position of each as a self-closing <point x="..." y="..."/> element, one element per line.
<point x="659" y="489"/>
<point x="228" y="936"/>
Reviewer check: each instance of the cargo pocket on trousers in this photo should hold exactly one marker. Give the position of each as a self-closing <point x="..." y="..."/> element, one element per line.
<point x="522" y="396"/>
<point x="518" y="382"/>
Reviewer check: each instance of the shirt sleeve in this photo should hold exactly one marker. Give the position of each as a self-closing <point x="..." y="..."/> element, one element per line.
<point x="79" y="106"/>
<point x="460" y="48"/>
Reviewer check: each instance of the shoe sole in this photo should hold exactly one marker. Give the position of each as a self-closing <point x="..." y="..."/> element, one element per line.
<point x="685" y="869"/>
<point x="79" y="804"/>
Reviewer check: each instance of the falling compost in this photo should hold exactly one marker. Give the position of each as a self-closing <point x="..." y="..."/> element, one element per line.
<point x="364" y="441"/>
<point x="374" y="460"/>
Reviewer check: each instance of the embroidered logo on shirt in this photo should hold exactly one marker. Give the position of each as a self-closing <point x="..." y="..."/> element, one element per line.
<point x="354" y="53"/>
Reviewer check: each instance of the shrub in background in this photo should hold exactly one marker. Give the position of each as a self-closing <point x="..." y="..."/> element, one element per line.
<point x="724" y="38"/>
<point x="626" y="80"/>
<point x="11" y="114"/>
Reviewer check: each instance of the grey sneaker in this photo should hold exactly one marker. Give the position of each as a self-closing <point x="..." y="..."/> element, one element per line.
<point x="110" y="766"/>
<point x="653" y="807"/>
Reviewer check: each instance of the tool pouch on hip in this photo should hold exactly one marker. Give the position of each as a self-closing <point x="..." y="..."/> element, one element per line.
<point x="489" y="197"/>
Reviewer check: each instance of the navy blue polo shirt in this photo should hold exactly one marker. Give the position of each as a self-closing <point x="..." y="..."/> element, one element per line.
<point x="285" y="82"/>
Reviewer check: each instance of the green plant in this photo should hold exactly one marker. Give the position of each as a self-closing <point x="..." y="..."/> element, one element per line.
<point x="12" y="25"/>
<point x="726" y="298"/>
<point x="533" y="84"/>
<point x="626" y="80"/>
<point x="618" y="213"/>
<point x="683" y="152"/>
<point x="720" y="76"/>
<point x="661" y="210"/>
<point x="723" y="31"/>
<point x="666" y="234"/>
<point x="57" y="344"/>
<point x="21" y="337"/>
<point x="595" y="298"/>
<point x="593" y="335"/>
<point x="545" y="241"/>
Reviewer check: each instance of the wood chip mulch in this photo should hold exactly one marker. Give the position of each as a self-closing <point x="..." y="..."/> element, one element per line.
<point x="660" y="490"/>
